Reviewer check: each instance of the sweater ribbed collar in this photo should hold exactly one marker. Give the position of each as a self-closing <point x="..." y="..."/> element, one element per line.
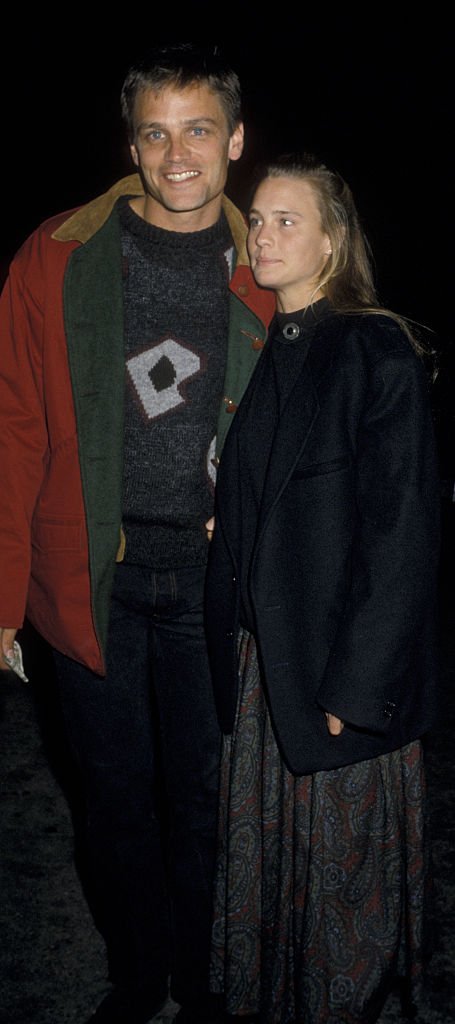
<point x="217" y="236"/>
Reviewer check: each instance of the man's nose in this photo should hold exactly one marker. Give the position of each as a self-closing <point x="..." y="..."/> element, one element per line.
<point x="177" y="147"/>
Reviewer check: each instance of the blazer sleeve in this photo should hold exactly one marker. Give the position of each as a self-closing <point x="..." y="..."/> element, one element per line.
<point x="394" y="561"/>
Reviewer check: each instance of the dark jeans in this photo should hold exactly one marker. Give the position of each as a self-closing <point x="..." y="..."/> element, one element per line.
<point x="147" y="741"/>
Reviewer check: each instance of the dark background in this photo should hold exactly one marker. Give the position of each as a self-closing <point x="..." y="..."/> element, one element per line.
<point x="368" y="91"/>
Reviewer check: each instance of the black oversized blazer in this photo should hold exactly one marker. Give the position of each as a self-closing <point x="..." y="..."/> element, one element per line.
<point x="343" y="573"/>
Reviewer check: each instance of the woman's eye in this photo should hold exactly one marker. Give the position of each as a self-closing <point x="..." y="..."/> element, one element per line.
<point x="286" y="222"/>
<point x="254" y="222"/>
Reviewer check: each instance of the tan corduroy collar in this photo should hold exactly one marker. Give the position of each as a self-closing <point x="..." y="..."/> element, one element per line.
<point x="84" y="223"/>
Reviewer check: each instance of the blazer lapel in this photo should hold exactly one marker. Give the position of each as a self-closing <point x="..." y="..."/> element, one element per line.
<point x="295" y="424"/>
<point x="239" y="438"/>
<point x="301" y="408"/>
<point x="300" y="411"/>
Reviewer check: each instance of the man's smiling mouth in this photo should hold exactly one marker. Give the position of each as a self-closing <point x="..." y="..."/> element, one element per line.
<point x="181" y="175"/>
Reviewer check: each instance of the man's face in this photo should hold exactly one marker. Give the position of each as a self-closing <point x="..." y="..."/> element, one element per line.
<point x="182" y="147"/>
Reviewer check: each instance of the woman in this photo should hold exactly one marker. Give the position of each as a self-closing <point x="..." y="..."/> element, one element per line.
<point x="320" y="618"/>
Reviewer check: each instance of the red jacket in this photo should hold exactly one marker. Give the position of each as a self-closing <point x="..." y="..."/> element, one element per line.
<point x="57" y="555"/>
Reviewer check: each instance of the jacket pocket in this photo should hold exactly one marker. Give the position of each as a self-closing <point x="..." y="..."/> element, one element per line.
<point x="321" y="468"/>
<point x="58" y="533"/>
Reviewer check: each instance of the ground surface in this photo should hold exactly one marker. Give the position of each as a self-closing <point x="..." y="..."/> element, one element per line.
<point x="52" y="964"/>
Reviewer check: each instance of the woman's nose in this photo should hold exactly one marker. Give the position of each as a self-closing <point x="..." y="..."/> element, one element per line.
<point x="263" y="236"/>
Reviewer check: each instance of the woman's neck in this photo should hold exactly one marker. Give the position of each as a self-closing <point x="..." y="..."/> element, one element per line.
<point x="289" y="302"/>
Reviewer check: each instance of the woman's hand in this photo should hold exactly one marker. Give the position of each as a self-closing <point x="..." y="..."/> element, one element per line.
<point x="210" y="526"/>
<point x="334" y="724"/>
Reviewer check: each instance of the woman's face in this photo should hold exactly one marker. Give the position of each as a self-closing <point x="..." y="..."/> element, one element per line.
<point x="286" y="244"/>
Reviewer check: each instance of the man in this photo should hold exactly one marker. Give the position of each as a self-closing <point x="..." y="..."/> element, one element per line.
<point x="129" y="330"/>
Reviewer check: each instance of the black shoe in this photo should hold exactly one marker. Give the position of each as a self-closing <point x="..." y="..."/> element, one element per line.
<point x="124" y="1006"/>
<point x="187" y="1015"/>
<point x="249" y="1018"/>
<point x="204" y="1013"/>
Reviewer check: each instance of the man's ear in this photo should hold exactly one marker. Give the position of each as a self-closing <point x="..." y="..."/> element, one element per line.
<point x="236" y="143"/>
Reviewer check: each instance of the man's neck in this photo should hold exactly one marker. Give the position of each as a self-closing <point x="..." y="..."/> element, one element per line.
<point x="182" y="220"/>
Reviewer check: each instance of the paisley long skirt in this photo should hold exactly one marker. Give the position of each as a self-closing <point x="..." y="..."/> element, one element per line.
<point x="321" y="879"/>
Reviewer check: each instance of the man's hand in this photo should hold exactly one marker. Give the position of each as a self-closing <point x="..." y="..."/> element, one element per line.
<point x="7" y="638"/>
<point x="334" y="724"/>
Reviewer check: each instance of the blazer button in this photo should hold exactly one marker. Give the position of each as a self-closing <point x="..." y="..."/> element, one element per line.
<point x="229" y="634"/>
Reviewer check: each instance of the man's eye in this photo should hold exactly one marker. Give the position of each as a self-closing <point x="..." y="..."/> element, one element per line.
<point x="286" y="222"/>
<point x="198" y="131"/>
<point x="155" y="135"/>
